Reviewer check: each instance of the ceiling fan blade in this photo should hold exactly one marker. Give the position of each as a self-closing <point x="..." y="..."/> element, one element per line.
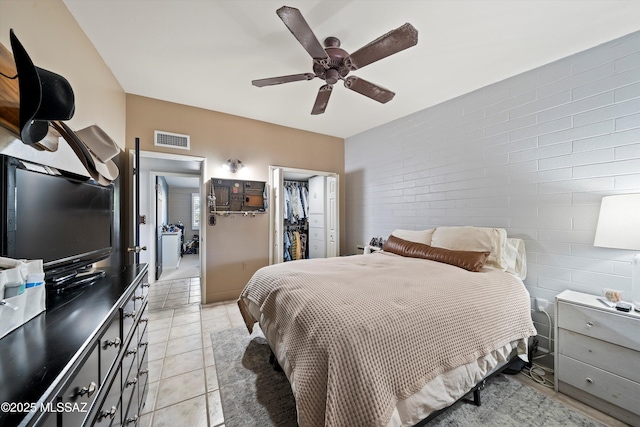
<point x="366" y="88"/>
<point x="296" y="23"/>
<point x="282" y="79"/>
<point x="393" y="42"/>
<point x="322" y="99"/>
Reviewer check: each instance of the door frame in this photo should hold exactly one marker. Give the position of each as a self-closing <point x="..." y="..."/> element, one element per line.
<point x="150" y="231"/>
<point x="303" y="173"/>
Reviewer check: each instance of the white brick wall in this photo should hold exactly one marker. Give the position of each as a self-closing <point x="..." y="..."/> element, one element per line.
<point x="533" y="154"/>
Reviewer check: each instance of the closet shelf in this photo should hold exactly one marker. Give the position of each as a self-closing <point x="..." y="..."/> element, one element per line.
<point x="243" y="213"/>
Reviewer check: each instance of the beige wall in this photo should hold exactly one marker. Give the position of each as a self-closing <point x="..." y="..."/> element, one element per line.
<point x="55" y="42"/>
<point x="235" y="247"/>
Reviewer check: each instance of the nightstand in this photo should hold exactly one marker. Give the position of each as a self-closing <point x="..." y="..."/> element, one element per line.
<point x="597" y="357"/>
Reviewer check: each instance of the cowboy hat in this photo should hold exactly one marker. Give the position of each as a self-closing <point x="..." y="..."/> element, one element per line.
<point x="44" y="96"/>
<point x="94" y="148"/>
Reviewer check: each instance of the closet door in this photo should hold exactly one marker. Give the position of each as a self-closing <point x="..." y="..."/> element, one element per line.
<point x="317" y="217"/>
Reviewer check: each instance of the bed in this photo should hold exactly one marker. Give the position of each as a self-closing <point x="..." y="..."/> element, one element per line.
<point x="388" y="338"/>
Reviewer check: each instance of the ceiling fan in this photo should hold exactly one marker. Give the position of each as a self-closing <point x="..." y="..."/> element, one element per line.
<point x="332" y="63"/>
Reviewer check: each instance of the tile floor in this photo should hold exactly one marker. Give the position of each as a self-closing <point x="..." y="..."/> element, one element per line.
<point x="183" y="387"/>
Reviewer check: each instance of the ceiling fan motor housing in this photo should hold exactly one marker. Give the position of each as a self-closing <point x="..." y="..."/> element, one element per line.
<point x="336" y="66"/>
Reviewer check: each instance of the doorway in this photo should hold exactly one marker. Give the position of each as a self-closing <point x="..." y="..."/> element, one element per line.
<point x="173" y="168"/>
<point x="322" y="227"/>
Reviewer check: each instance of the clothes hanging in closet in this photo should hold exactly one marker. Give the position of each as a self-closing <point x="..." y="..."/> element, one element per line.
<point x="296" y="201"/>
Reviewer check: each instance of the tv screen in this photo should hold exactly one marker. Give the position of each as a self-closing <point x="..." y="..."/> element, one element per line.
<point x="62" y="219"/>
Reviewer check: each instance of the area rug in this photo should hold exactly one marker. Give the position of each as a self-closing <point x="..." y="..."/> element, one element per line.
<point x="254" y="394"/>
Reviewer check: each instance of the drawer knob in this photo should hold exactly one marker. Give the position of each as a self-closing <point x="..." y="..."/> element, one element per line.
<point x="133" y="351"/>
<point x="89" y="390"/>
<point x="144" y="320"/>
<point x="132" y="382"/>
<point x="144" y="372"/>
<point x="145" y="285"/>
<point x="589" y="324"/>
<point x="589" y="380"/>
<point x="110" y="413"/>
<point x="115" y="342"/>
<point x="132" y="314"/>
<point x="133" y="419"/>
<point x="138" y="297"/>
<point x="142" y="344"/>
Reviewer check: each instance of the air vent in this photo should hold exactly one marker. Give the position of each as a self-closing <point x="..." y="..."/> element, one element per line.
<point x="172" y="140"/>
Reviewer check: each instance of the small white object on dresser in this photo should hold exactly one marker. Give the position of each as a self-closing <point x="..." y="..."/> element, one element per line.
<point x="597" y="357"/>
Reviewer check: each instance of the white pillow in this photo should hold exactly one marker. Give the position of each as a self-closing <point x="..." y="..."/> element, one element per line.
<point x="516" y="257"/>
<point x="475" y="239"/>
<point x="416" y="236"/>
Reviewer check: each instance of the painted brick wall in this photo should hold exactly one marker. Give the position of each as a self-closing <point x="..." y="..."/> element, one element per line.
<point x="533" y="154"/>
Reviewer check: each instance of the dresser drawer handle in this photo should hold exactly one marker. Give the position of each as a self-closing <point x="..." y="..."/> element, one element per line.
<point x="144" y="320"/>
<point x="142" y="344"/>
<point x="110" y="413"/>
<point x="589" y="324"/>
<point x="144" y="372"/>
<point x="132" y="382"/>
<point x="130" y="352"/>
<point x="88" y="390"/>
<point x="115" y="342"/>
<point x="132" y="314"/>
<point x="138" y="297"/>
<point x="133" y="419"/>
<point x="589" y="380"/>
<point x="145" y="285"/>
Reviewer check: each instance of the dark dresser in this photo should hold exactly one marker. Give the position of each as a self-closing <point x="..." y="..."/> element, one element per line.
<point x="83" y="362"/>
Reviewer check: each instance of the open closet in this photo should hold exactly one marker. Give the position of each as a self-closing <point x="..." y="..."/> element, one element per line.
<point x="304" y="214"/>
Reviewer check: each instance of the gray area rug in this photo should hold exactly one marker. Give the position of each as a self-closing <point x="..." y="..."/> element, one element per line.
<point x="253" y="394"/>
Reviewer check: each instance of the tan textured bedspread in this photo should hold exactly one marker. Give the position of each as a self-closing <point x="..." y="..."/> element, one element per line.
<point x="365" y="331"/>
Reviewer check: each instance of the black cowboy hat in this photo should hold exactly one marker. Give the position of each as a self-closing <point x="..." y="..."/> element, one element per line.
<point x="44" y="96"/>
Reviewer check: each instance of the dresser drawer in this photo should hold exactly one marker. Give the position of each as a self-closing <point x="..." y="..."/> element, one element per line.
<point x="608" y="326"/>
<point x="606" y="356"/>
<point x="316" y="235"/>
<point x="110" y="345"/>
<point x="609" y="387"/>
<point x="82" y="390"/>
<point x="110" y="414"/>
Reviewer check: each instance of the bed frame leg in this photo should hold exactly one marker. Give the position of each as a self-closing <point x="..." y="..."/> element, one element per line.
<point x="476" y="394"/>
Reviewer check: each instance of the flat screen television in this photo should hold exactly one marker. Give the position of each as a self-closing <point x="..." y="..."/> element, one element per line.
<point x="62" y="218"/>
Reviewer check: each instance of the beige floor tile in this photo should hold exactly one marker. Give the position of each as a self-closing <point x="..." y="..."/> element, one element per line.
<point x="155" y="369"/>
<point x="191" y="308"/>
<point x="180" y="388"/>
<point x="208" y="354"/>
<point x="217" y="324"/>
<point x="214" y="312"/>
<point x="162" y="314"/>
<point x="181" y="363"/>
<point x="157" y="351"/>
<point x="183" y="345"/>
<point x="159" y="336"/>
<point x="186" y="318"/>
<point x="152" y="394"/>
<point x="191" y="413"/>
<point x="155" y="324"/>
<point x="176" y="303"/>
<point x="212" y="378"/>
<point x="216" y="417"/>
<point x="185" y="330"/>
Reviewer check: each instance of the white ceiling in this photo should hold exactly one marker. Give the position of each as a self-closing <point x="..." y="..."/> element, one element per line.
<point x="205" y="53"/>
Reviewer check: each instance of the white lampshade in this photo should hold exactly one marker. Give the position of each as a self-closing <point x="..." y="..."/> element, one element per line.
<point x="619" y="222"/>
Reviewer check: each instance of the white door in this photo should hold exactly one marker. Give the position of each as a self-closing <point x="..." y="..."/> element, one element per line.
<point x="331" y="213"/>
<point x="277" y="221"/>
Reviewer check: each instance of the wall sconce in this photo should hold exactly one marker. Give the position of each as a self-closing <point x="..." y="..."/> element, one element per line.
<point x="233" y="165"/>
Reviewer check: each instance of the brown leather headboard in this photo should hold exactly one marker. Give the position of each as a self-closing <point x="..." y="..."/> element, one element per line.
<point x="471" y="261"/>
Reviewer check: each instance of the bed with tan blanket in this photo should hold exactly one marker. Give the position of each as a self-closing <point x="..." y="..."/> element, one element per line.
<point x="386" y="339"/>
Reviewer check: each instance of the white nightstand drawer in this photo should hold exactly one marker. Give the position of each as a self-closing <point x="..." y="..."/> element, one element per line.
<point x="609" y="326"/>
<point x="612" y="388"/>
<point x="606" y="356"/>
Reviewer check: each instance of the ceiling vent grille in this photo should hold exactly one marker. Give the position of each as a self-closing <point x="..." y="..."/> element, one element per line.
<point x="172" y="140"/>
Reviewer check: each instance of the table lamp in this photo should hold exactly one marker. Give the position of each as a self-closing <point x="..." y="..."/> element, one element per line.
<point x="619" y="227"/>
